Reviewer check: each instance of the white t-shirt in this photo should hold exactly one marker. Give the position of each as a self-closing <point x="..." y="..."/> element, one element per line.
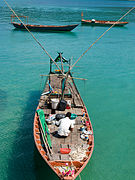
<point x="64" y="125"/>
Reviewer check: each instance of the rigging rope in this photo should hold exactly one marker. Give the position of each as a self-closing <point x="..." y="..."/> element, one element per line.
<point x="32" y="35"/>
<point x="101" y="37"/>
<point x="83" y="53"/>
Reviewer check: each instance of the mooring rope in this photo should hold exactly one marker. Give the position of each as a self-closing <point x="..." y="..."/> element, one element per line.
<point x="83" y="53"/>
<point x="32" y="35"/>
<point x="101" y="37"/>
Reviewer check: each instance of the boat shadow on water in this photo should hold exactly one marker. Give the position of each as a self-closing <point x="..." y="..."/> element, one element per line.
<point x="42" y="170"/>
<point x="3" y="100"/>
<point x="25" y="161"/>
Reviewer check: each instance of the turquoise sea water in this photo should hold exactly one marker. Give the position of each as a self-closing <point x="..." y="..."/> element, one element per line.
<point x="109" y="92"/>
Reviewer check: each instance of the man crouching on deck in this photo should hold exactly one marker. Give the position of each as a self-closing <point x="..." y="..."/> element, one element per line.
<point x="65" y="124"/>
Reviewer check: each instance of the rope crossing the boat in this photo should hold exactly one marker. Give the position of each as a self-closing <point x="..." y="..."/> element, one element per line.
<point x="32" y="35"/>
<point x="101" y="36"/>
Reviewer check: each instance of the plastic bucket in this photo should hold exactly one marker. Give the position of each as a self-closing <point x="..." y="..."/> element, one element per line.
<point x="54" y="103"/>
<point x="69" y="102"/>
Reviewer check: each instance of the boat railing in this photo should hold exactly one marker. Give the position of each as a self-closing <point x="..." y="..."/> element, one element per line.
<point x="25" y="18"/>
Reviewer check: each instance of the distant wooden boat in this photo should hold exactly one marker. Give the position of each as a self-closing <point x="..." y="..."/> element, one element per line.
<point x="94" y="22"/>
<point x="66" y="156"/>
<point x="42" y="28"/>
<point x="102" y="23"/>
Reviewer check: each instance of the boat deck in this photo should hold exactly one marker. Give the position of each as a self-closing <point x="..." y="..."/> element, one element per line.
<point x="73" y="140"/>
<point x="70" y="89"/>
<point x="81" y="149"/>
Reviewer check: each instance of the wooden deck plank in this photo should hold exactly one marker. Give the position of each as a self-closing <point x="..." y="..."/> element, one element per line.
<point x="74" y="137"/>
<point x="56" y="85"/>
<point x="64" y="156"/>
<point x="76" y="111"/>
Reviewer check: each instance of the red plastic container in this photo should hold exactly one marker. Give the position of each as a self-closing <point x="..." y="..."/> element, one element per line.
<point x="87" y="123"/>
<point x="65" y="150"/>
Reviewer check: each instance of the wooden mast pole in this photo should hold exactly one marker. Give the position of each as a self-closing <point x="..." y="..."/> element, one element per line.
<point x="82" y="15"/>
<point x="61" y="63"/>
<point x="11" y="18"/>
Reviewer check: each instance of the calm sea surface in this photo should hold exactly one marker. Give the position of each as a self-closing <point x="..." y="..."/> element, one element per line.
<point x="109" y="92"/>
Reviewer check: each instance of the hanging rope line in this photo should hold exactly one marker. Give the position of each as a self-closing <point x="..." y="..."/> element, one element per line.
<point x="32" y="35"/>
<point x="101" y="37"/>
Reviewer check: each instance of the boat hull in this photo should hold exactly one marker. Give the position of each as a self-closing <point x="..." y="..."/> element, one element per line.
<point x="45" y="28"/>
<point x="102" y="23"/>
<point x="79" y="165"/>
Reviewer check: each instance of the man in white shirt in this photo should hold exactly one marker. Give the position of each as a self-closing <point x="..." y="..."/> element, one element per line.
<point x="65" y="124"/>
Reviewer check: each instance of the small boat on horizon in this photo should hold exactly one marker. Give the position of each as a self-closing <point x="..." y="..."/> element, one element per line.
<point x="94" y="22"/>
<point x="42" y="28"/>
<point x="66" y="156"/>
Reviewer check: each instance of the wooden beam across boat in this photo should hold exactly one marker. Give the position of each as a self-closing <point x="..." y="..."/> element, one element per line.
<point x="24" y="17"/>
<point x="68" y="77"/>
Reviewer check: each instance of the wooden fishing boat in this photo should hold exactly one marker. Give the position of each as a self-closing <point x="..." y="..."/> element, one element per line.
<point x="44" y="28"/>
<point x="66" y="156"/>
<point x="102" y="23"/>
<point x="94" y="22"/>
